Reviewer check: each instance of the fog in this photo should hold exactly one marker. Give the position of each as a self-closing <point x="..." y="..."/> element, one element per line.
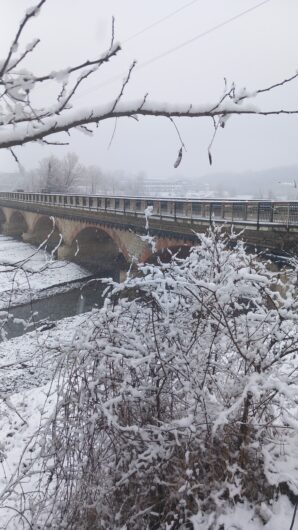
<point x="277" y="183"/>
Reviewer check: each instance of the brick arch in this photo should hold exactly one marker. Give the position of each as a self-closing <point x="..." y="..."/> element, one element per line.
<point x="41" y="218"/>
<point x="17" y="223"/>
<point x="164" y="246"/>
<point x="115" y="235"/>
<point x="44" y="230"/>
<point x="96" y="247"/>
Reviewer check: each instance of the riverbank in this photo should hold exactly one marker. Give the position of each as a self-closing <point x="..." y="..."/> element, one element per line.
<point x="36" y="289"/>
<point x="27" y="272"/>
<point x="29" y="367"/>
<point x="29" y="361"/>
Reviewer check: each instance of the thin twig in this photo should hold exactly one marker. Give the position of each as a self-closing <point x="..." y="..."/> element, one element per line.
<point x="113" y="133"/>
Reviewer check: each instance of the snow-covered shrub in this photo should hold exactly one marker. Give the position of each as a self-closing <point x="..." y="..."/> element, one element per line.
<point x="180" y="400"/>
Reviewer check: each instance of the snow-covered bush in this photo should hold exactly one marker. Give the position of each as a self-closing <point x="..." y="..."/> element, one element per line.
<point x="180" y="401"/>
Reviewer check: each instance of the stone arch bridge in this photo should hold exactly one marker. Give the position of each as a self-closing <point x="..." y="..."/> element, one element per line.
<point x="96" y="243"/>
<point x="106" y="231"/>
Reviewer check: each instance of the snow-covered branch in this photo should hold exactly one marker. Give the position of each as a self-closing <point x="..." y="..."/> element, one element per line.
<point x="21" y="122"/>
<point x="57" y="123"/>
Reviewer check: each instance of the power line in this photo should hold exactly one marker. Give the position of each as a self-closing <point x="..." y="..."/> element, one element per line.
<point x="179" y="46"/>
<point x="203" y="34"/>
<point x="163" y="19"/>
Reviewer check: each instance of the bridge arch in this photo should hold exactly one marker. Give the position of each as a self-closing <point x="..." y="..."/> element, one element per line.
<point x="166" y="247"/>
<point x="17" y="224"/>
<point x="3" y="219"/>
<point x="45" y="229"/>
<point x="96" y="249"/>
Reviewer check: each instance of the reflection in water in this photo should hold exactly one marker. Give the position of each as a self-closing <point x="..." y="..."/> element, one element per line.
<point x="44" y="312"/>
<point x="41" y="313"/>
<point x="81" y="304"/>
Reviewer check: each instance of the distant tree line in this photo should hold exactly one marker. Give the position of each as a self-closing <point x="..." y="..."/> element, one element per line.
<point x="68" y="174"/>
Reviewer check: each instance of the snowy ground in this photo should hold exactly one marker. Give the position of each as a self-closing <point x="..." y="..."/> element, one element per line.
<point x="27" y="365"/>
<point x="28" y="361"/>
<point x="26" y="272"/>
<point x="27" y="368"/>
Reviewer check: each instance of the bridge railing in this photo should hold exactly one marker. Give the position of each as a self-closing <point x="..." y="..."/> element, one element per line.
<point x="250" y="212"/>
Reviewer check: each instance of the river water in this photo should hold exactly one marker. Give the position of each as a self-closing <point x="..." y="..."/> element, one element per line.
<point x="36" y="291"/>
<point x="43" y="312"/>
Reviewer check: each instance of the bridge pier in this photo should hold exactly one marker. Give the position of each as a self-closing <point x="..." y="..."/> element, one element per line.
<point x="65" y="252"/>
<point x="28" y="237"/>
<point x="15" y="223"/>
<point x="5" y="229"/>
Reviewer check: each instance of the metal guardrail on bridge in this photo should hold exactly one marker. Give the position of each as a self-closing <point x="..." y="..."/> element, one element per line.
<point x="256" y="213"/>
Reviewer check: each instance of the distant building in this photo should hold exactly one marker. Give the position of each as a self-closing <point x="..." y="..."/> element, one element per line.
<point x="164" y="187"/>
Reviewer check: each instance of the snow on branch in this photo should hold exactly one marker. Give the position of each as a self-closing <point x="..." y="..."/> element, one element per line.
<point x="21" y="122"/>
<point x="186" y="380"/>
<point x="32" y="12"/>
<point x="55" y="123"/>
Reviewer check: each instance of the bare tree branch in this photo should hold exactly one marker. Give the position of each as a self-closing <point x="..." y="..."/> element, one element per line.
<point x="113" y="33"/>
<point x="21" y="122"/>
<point x="48" y="77"/>
<point x="124" y="84"/>
<point x="113" y="133"/>
<point x="277" y="85"/>
<point x="178" y="133"/>
<point x="47" y="142"/>
<point x="31" y="12"/>
<point x="56" y="124"/>
<point x="23" y="55"/>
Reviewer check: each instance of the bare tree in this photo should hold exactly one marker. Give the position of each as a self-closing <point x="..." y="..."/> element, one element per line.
<point x="65" y="174"/>
<point x="71" y="170"/>
<point x="57" y="175"/>
<point x="22" y="122"/>
<point x="49" y="174"/>
<point x="92" y="179"/>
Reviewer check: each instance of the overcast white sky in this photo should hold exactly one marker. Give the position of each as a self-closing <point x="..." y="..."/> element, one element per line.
<point x="256" y="50"/>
